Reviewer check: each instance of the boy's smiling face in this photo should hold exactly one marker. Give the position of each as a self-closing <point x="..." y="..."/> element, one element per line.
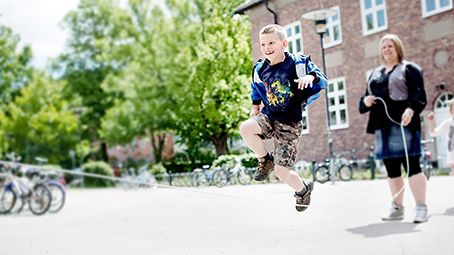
<point x="272" y="47"/>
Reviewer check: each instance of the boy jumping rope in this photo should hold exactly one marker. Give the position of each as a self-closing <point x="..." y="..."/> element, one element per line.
<point x="284" y="83"/>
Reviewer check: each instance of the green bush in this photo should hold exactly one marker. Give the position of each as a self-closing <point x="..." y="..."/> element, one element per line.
<point x="249" y="160"/>
<point x="100" y="168"/>
<point x="225" y="161"/>
<point x="229" y="161"/>
<point x="158" y="170"/>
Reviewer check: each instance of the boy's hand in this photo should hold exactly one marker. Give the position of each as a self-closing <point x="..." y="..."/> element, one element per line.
<point x="305" y="82"/>
<point x="254" y="111"/>
<point x="431" y="116"/>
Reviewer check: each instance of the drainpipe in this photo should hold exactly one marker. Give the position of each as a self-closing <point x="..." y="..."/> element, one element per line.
<point x="274" y="13"/>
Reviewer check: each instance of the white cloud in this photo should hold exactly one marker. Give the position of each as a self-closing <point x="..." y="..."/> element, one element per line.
<point x="38" y="24"/>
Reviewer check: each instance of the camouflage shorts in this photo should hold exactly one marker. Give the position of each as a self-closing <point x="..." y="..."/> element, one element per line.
<point x="285" y="136"/>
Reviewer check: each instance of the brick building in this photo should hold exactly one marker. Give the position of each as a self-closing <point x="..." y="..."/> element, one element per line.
<point x="426" y="28"/>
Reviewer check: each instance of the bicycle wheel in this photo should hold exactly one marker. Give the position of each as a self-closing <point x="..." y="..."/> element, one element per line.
<point x="244" y="176"/>
<point x="345" y="172"/>
<point x="40" y="199"/>
<point x="199" y="179"/>
<point x="272" y="178"/>
<point x="220" y="178"/>
<point x="426" y="169"/>
<point x="7" y="199"/>
<point x="304" y="169"/>
<point x="321" y="174"/>
<point x="58" y="194"/>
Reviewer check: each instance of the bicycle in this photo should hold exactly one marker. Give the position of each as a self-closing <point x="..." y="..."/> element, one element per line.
<point x="425" y="160"/>
<point x="239" y="173"/>
<point x="202" y="176"/>
<point x="54" y="182"/>
<point x="37" y="196"/>
<point x="343" y="170"/>
<point x="305" y="169"/>
<point x="143" y="178"/>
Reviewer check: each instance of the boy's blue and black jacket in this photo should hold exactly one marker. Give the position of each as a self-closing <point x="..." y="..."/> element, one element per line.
<point x="275" y="87"/>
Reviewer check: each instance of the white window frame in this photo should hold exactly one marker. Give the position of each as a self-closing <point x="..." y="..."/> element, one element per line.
<point x="330" y="24"/>
<point x="294" y="37"/>
<point x="337" y="107"/>
<point x="368" y="73"/>
<point x="437" y="10"/>
<point x="373" y="10"/>
<point x="305" y="116"/>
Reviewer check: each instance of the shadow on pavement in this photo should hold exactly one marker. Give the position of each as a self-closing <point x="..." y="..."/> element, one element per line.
<point x="448" y="212"/>
<point x="384" y="229"/>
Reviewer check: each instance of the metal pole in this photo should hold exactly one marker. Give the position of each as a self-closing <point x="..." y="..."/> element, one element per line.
<point x="330" y="138"/>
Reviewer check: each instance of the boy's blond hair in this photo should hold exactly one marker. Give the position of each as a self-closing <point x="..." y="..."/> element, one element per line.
<point x="273" y="28"/>
<point x="397" y="44"/>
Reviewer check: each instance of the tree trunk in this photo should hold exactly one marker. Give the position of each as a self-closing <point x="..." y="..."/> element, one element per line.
<point x="157" y="143"/>
<point x="220" y="143"/>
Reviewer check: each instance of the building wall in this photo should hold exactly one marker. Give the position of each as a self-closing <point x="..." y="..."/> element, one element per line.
<point x="428" y="42"/>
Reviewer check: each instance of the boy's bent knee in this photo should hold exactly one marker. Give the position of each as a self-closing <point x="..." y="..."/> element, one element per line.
<point x="249" y="127"/>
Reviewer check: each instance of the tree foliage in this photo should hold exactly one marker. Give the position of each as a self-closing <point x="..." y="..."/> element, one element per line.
<point x="15" y="70"/>
<point x="39" y="122"/>
<point x="97" y="47"/>
<point x="213" y="69"/>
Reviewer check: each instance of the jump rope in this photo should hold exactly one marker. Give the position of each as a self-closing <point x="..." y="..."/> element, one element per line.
<point x="404" y="141"/>
<point x="118" y="179"/>
<point x="123" y="180"/>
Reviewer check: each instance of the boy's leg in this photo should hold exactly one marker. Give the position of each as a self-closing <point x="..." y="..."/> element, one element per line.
<point x="250" y="131"/>
<point x="302" y="189"/>
<point x="286" y="148"/>
<point x="290" y="177"/>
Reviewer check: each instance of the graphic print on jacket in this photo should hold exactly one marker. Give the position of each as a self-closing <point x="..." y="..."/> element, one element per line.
<point x="275" y="87"/>
<point x="278" y="94"/>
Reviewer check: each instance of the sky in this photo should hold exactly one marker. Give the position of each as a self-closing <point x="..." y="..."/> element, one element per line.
<point x="38" y="23"/>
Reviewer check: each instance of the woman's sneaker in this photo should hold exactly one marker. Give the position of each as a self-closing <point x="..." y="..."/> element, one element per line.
<point x="303" y="200"/>
<point x="421" y="214"/>
<point x="395" y="213"/>
<point x="264" y="168"/>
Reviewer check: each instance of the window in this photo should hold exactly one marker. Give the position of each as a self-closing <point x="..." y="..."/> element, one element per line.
<point x="442" y="100"/>
<point x="305" y="122"/>
<point x="373" y="15"/>
<point x="337" y="103"/>
<point x="333" y="30"/>
<point x="432" y="7"/>
<point x="294" y="37"/>
<point x="368" y="73"/>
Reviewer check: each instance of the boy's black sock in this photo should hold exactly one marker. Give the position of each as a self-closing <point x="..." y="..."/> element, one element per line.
<point x="268" y="157"/>
<point x="303" y="191"/>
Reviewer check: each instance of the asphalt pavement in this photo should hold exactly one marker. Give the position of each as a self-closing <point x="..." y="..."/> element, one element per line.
<point x="343" y="218"/>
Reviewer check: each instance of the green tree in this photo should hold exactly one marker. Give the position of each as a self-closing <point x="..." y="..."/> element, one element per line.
<point x="212" y="70"/>
<point x="15" y="70"/>
<point x="142" y="105"/>
<point x="39" y="122"/>
<point x="98" y="46"/>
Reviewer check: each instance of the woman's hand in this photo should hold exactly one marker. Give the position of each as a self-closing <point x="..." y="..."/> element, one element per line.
<point x="305" y="82"/>
<point x="406" y="116"/>
<point x="369" y="101"/>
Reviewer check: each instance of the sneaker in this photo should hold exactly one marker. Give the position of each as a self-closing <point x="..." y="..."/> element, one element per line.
<point x="395" y="213"/>
<point x="303" y="200"/>
<point x="264" y="168"/>
<point x="421" y="214"/>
